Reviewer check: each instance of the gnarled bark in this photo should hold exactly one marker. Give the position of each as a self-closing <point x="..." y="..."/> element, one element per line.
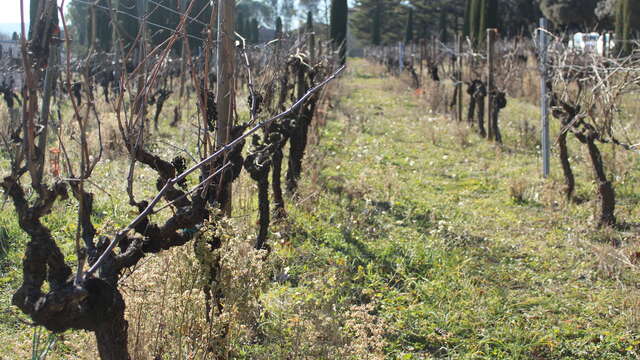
<point x="587" y="134"/>
<point x="276" y="184"/>
<point x="563" y="154"/>
<point x="499" y="102"/>
<point x="477" y="92"/>
<point x="606" y="194"/>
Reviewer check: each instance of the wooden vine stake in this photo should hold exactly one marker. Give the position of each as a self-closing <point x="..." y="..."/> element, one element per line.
<point x="491" y="36"/>
<point x="183" y="63"/>
<point x="141" y="100"/>
<point x="226" y="87"/>
<point x="459" y="88"/>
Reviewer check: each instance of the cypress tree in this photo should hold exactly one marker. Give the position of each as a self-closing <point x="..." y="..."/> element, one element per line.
<point x="311" y="36"/>
<point x="82" y="18"/>
<point x="408" y="38"/>
<point x="377" y="23"/>
<point x="487" y="19"/>
<point x="339" y="15"/>
<point x="619" y="20"/>
<point x="309" y="26"/>
<point x="158" y="14"/>
<point x="240" y="25"/>
<point x="104" y="31"/>
<point x="466" y="31"/>
<point x="492" y="14"/>
<point x="255" y="31"/>
<point x="382" y="21"/>
<point x="482" y="23"/>
<point x="474" y="23"/>
<point x="128" y="26"/>
<point x="199" y="28"/>
<point x="278" y="32"/>
<point x="623" y="25"/>
<point x="444" y="35"/>
<point x="245" y="24"/>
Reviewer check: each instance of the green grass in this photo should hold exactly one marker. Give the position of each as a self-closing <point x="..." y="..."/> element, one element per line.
<point x="422" y="225"/>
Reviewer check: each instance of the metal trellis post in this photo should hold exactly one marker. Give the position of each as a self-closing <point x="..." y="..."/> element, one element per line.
<point x="459" y="86"/>
<point x="544" y="98"/>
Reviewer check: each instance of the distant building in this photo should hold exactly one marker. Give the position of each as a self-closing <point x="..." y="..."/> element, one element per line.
<point x="11" y="64"/>
<point x="9" y="49"/>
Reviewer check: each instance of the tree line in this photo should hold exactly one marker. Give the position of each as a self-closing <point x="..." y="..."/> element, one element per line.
<point x="101" y="22"/>
<point x="387" y="21"/>
<point x="107" y="24"/>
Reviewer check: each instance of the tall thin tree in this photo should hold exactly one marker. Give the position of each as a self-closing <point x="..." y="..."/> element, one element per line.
<point x="309" y="25"/>
<point x="466" y="30"/>
<point x="128" y="25"/>
<point x="339" y="18"/>
<point x="474" y="20"/>
<point x="627" y="17"/>
<point x="408" y="37"/>
<point x="443" y="26"/>
<point x="255" y="31"/>
<point x="278" y="32"/>
<point x="377" y="23"/>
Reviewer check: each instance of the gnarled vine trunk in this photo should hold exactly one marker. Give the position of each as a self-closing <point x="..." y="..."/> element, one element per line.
<point x="477" y="93"/>
<point x="499" y="102"/>
<point x="606" y="194"/>
<point x="563" y="154"/>
<point x="587" y="135"/>
<point x="481" y="128"/>
<point x="276" y="184"/>
<point x="111" y="333"/>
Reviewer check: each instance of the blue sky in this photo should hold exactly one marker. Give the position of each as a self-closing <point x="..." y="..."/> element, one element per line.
<point x="11" y="11"/>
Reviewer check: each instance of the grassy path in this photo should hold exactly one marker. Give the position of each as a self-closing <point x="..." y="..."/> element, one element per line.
<point x="458" y="246"/>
